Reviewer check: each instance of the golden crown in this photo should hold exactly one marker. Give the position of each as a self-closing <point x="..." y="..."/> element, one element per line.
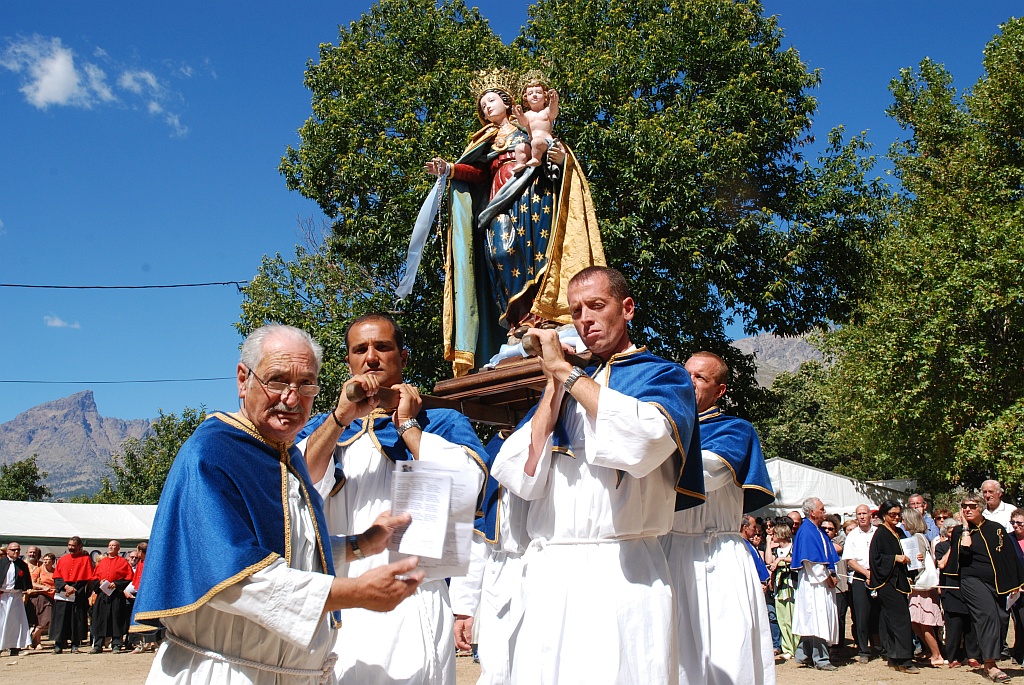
<point x="534" y="77"/>
<point x="492" y="79"/>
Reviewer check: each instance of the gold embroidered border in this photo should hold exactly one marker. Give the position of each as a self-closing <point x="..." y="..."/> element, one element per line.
<point x="224" y="584"/>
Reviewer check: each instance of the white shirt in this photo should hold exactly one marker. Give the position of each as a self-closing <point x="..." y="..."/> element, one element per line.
<point x="1000" y="515"/>
<point x="858" y="545"/>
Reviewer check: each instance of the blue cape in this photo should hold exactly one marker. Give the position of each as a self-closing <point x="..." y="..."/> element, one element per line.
<point x="445" y="423"/>
<point x="668" y="387"/>
<point x="811" y="544"/>
<point x="762" y="570"/>
<point x="223" y="515"/>
<point x="735" y="441"/>
<point x="487" y="523"/>
<point x="648" y="378"/>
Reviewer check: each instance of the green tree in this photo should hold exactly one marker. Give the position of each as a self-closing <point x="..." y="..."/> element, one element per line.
<point x="694" y="94"/>
<point x="931" y="374"/>
<point x="140" y="471"/>
<point x="20" y="481"/>
<point x="794" y="422"/>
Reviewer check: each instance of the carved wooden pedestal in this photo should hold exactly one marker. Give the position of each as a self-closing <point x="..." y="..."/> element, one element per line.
<point x="500" y="397"/>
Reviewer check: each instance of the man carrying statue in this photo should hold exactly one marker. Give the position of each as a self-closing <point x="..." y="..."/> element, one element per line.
<point x="519" y="231"/>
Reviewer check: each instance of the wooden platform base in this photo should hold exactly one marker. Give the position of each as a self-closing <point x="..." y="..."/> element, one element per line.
<point x="499" y="397"/>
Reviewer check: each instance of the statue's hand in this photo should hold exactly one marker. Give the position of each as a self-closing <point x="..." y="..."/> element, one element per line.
<point x="436" y="166"/>
<point x="556" y="152"/>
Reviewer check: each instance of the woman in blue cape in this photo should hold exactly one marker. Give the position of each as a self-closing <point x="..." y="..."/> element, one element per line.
<point x="515" y="239"/>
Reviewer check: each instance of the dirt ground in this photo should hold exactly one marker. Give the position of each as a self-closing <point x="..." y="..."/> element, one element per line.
<point x="131" y="669"/>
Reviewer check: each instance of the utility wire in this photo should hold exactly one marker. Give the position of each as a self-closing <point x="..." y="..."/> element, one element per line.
<point x="157" y="380"/>
<point x="237" y="284"/>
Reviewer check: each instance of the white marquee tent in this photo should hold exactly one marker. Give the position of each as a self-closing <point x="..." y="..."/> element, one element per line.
<point x="794" y="483"/>
<point x="50" y="524"/>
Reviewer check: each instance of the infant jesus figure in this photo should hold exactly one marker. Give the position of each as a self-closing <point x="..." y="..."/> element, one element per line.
<point x="538" y="112"/>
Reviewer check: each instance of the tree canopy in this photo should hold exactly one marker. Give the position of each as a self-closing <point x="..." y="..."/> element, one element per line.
<point x="140" y="471"/>
<point x="688" y="117"/>
<point x="20" y="481"/>
<point x="929" y="378"/>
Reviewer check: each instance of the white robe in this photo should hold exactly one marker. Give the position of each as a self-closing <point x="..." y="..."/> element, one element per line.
<point x="14" y="630"/>
<point x="814" y="608"/>
<point x="492" y="591"/>
<point x="598" y="600"/>
<point x="414" y="643"/>
<point x="275" y="617"/>
<point x="721" y="614"/>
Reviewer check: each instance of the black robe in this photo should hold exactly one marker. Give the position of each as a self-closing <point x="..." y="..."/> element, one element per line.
<point x="885" y="546"/>
<point x="1006" y="565"/>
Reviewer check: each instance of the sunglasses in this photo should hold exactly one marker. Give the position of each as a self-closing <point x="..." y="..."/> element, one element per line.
<point x="827" y="528"/>
<point x="969" y="505"/>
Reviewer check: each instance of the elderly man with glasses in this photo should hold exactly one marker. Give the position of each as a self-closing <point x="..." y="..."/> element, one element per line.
<point x="989" y="567"/>
<point x="254" y="599"/>
<point x="15" y="579"/>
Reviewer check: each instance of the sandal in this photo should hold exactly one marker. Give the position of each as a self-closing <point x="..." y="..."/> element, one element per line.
<point x="998" y="676"/>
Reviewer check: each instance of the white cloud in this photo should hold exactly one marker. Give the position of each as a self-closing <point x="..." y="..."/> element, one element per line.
<point x="174" y="121"/>
<point x="49" y="68"/>
<point x="57" y="322"/>
<point x="53" y="75"/>
<point x="137" y="81"/>
<point x="98" y="83"/>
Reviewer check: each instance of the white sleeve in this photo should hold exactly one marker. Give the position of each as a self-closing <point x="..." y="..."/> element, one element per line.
<point x="434" y="448"/>
<point x="628" y="434"/>
<point x="816" y="573"/>
<point x="717" y="473"/>
<point x="465" y="590"/>
<point x="509" y="466"/>
<point x="284" y="600"/>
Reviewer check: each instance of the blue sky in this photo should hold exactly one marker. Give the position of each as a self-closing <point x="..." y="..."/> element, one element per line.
<point x="139" y="145"/>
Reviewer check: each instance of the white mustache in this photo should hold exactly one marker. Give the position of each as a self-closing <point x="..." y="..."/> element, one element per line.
<point x="283" y="408"/>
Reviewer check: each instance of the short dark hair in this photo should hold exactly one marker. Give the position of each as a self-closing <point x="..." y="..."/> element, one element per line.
<point x="886" y="506"/>
<point x="616" y="281"/>
<point x="378" y="316"/>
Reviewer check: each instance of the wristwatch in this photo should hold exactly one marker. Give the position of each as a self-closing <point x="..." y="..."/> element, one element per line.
<point x="411" y="423"/>
<point x="573" y="376"/>
<point x="353" y="544"/>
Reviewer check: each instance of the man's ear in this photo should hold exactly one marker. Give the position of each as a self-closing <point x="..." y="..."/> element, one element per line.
<point x="243" y="376"/>
<point x="628" y="307"/>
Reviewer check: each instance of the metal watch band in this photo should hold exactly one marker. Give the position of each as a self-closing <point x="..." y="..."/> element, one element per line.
<point x="573" y="376"/>
<point x="411" y="423"/>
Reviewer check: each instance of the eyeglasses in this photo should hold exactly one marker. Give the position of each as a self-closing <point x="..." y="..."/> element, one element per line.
<point x="827" y="528"/>
<point x="969" y="505"/>
<point x="941" y="518"/>
<point x="1017" y="524"/>
<point x="278" y="388"/>
<point x="894" y="514"/>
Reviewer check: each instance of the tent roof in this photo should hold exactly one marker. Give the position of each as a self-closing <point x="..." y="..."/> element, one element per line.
<point x="795" y="482"/>
<point x="50" y="524"/>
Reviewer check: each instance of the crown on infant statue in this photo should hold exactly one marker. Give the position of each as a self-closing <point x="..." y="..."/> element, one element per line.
<point x="534" y="77"/>
<point x="492" y="79"/>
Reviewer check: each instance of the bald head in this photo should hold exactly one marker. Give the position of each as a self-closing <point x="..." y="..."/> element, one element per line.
<point x="992" y="493"/>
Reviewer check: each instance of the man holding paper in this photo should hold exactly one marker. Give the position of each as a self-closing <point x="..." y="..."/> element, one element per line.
<point x="110" y="612"/>
<point x="602" y="461"/>
<point x="352" y="453"/>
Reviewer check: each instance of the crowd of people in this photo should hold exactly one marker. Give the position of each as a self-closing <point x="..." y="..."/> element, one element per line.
<point x="614" y="541"/>
<point x="74" y="602"/>
<point x="922" y="590"/>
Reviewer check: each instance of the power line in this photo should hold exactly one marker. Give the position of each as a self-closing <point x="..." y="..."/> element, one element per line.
<point x="156" y="380"/>
<point x="237" y="284"/>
